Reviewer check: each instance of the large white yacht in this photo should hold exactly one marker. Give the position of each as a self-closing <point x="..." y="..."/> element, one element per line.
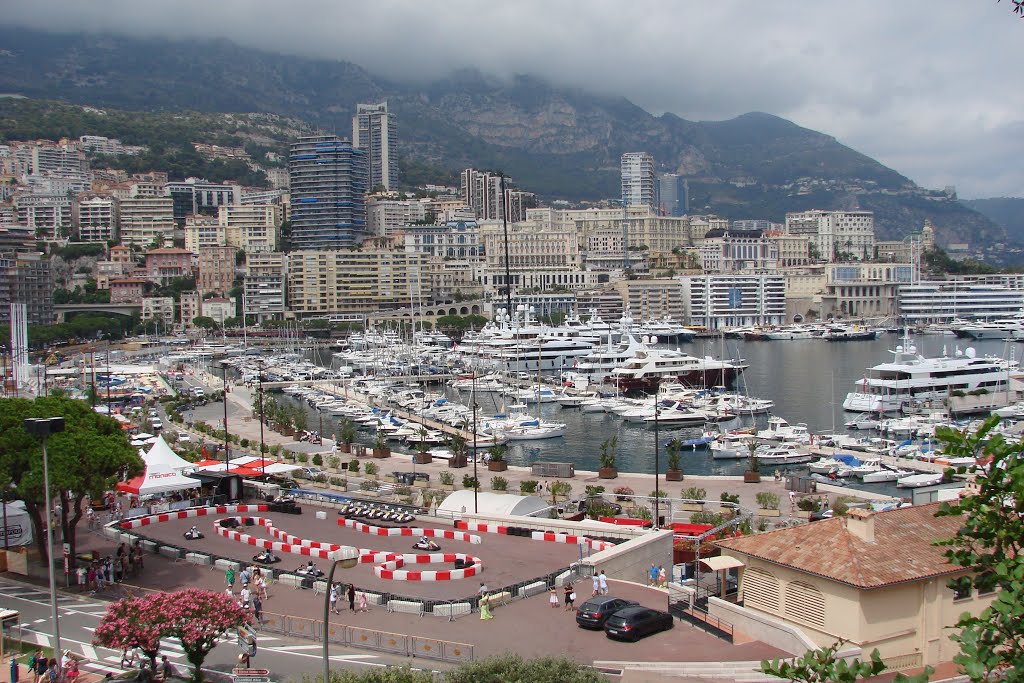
<point x="651" y="366"/>
<point x="912" y="378"/>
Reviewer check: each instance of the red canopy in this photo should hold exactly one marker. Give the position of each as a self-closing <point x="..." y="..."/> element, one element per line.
<point x="245" y="471"/>
<point x="208" y="463"/>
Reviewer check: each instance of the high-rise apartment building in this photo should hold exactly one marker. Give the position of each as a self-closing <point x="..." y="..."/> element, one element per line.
<point x="835" y="235"/>
<point x="673" y="195"/>
<point x="328" y="193"/>
<point x="200" y="197"/>
<point x="481" y="190"/>
<point x="145" y="220"/>
<point x="49" y="215"/>
<point x="264" y="285"/>
<point x="216" y="270"/>
<point x="639" y="185"/>
<point x="94" y="217"/>
<point x="373" y="131"/>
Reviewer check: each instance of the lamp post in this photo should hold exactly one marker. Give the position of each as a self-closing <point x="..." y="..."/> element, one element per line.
<point x="42" y="428"/>
<point x="227" y="454"/>
<point x="657" y="465"/>
<point x="476" y="485"/>
<point x="108" y="376"/>
<point x="347" y="557"/>
<point x="259" y="379"/>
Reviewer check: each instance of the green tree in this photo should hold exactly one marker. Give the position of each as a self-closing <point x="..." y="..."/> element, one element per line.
<point x="87" y="458"/>
<point x="510" y="668"/>
<point x="205" y="322"/>
<point x="989" y="544"/>
<point x="822" y="666"/>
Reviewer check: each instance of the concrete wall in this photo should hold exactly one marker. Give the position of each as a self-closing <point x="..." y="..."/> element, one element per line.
<point x="632" y="560"/>
<point x="583" y="528"/>
<point x="762" y="627"/>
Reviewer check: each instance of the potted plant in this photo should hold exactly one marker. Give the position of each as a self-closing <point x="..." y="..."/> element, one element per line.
<point x="457" y="445"/>
<point x="608" y="448"/>
<point x="622" y="493"/>
<point x="427" y="498"/>
<point x="447" y="480"/>
<point x="346" y="435"/>
<point x="390" y="477"/>
<point x="422" y="455"/>
<point x="528" y="487"/>
<point x="674" y="472"/>
<point x="470" y="482"/>
<point x="380" y="447"/>
<point x="371" y="470"/>
<point x="559" y="488"/>
<point x="767" y="504"/>
<point x="804" y="507"/>
<point x="403" y="493"/>
<point x="318" y="460"/>
<point x="694" y="498"/>
<point x="499" y="484"/>
<point x="353" y="466"/>
<point x="497" y="463"/>
<point x="728" y="498"/>
<point x="752" y="475"/>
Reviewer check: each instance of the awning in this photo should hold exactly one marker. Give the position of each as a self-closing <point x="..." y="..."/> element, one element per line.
<point x="720" y="563"/>
<point x="244" y="472"/>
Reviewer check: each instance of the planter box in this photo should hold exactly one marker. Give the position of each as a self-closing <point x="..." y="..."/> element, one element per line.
<point x="422" y="458"/>
<point x="674" y="475"/>
<point x="448" y="487"/>
<point x="803" y="514"/>
<point x="499" y="490"/>
<point x="371" y="476"/>
<point x="692" y="507"/>
<point x="458" y="461"/>
<point x="382" y="452"/>
<point x="751" y="477"/>
<point x="344" y="448"/>
<point x="727" y="511"/>
<point x="497" y="466"/>
<point x="390" y="478"/>
<point x="421" y="484"/>
<point x="607" y="473"/>
<point x="762" y="512"/>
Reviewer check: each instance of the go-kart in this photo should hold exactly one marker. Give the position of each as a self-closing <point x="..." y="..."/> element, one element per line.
<point x="266" y="558"/>
<point x="193" y="535"/>
<point x="424" y="544"/>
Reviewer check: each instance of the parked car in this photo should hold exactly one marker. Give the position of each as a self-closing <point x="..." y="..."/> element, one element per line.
<point x="184" y="437"/>
<point x="312" y="472"/>
<point x="595" y="611"/>
<point x="633" y="623"/>
<point x="157" y="423"/>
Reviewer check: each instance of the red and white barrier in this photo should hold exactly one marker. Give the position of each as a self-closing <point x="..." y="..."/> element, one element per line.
<point x="549" y="536"/>
<point x="449" y="534"/>
<point x="185" y="514"/>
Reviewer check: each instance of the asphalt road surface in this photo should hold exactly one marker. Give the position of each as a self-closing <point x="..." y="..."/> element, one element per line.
<point x="79" y="616"/>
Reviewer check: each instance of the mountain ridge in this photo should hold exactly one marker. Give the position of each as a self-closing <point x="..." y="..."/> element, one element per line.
<point x="563" y="143"/>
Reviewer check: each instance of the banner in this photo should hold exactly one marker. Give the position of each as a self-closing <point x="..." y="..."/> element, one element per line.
<point x="18" y="530"/>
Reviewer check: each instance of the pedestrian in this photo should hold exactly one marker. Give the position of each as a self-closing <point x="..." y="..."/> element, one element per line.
<point x="485" y="608"/>
<point x="52" y="674"/>
<point x="362" y="602"/>
<point x="602" y="582"/>
<point x="246" y="596"/>
<point x="597" y="585"/>
<point x="570" y="597"/>
<point x="352" y="597"/>
<point x="257" y="609"/>
<point x="229" y="576"/>
<point x="245" y="576"/>
<point x="38" y="664"/>
<point x="778" y="475"/>
<point x="662" y="577"/>
<point x="652" y="576"/>
<point x="166" y="670"/>
<point x="334" y="598"/>
<point x="72" y="672"/>
<point x="792" y="500"/>
<point x="81" y="573"/>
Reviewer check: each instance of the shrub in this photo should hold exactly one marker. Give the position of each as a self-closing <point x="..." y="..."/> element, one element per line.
<point x="622" y="491"/>
<point x="528" y="486"/>
<point x="608" y="448"/>
<point x="763" y="524"/>
<point x="766" y="500"/>
<point x="333" y="462"/>
<point x="371" y="469"/>
<point x="318" y="460"/>
<point x="368" y="485"/>
<point x="470" y="482"/>
<point x="598" y="510"/>
<point x="403" y="491"/>
<point x="706" y="517"/>
<point x="275" y="450"/>
<point x="658" y="493"/>
<point x="338" y="481"/>
<point x="643" y="512"/>
<point x="594" y="491"/>
<point x="840" y="508"/>
<point x="694" y="493"/>
<point x="499" y="483"/>
<point x="427" y="496"/>
<point x="302" y="457"/>
<point x="730" y="498"/>
<point x="806" y="504"/>
<point x="264" y="448"/>
<point x="353" y="466"/>
<point x="447" y="478"/>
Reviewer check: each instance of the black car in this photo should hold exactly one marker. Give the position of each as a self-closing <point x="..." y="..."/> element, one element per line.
<point x="595" y="611"/>
<point x="633" y="623"/>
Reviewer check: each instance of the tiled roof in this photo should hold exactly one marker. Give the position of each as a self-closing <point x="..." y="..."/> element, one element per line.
<point x="903" y="548"/>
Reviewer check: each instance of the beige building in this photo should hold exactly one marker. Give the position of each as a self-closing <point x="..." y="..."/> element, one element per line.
<point x="159" y="307"/>
<point x="909" y="248"/>
<point x="251" y="227"/>
<point x="386" y="216"/>
<point x="873" y="580"/>
<point x="216" y="270"/>
<point x="860" y="290"/>
<point x="219" y="309"/>
<point x="95" y="217"/>
<point x="322" y="282"/>
<point x="538" y="257"/>
<point x="654" y="298"/>
<point x="190" y="308"/>
<point x="147" y="220"/>
<point x="264" y="285"/>
<point x="794" y="250"/>
<point x="804" y="288"/>
<point x="834" y="234"/>
<point x="203" y="231"/>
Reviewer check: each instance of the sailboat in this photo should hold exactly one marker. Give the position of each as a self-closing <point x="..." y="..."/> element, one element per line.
<point x="529" y="430"/>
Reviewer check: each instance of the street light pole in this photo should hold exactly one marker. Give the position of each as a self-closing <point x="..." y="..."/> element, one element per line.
<point x="476" y="485"/>
<point x="657" y="465"/>
<point x="227" y="455"/>
<point x="43" y="427"/>
<point x="347" y="557"/>
<point x="263" y="462"/>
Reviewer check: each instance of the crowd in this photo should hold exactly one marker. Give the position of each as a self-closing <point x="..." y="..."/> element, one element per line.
<point x="104" y="572"/>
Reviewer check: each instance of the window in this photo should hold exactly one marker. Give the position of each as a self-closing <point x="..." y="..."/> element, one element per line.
<point x="760" y="590"/>
<point x="805" y="603"/>
<point x="962" y="590"/>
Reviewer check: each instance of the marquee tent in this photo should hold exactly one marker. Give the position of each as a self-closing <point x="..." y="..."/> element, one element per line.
<point x="156" y="480"/>
<point x="162" y="455"/>
<point x="492" y="503"/>
<point x="19" y="526"/>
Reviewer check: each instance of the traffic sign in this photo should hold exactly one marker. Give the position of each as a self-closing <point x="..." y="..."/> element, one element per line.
<point x="251" y="679"/>
<point x="250" y="672"/>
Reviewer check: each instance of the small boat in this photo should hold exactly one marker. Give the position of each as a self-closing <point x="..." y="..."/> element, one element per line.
<point x="782" y="456"/>
<point x="914" y="481"/>
<point x="886" y="474"/>
<point x="703" y="443"/>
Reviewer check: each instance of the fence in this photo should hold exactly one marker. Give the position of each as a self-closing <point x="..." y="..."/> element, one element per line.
<point x="371" y="639"/>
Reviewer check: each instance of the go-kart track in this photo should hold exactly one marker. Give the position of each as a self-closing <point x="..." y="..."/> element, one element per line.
<point x="390" y="565"/>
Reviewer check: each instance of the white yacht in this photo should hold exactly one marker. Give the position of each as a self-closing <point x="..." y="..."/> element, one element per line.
<point x="651" y="366"/>
<point x="912" y="378"/>
<point x="782" y="455"/>
<point x="780" y="430"/>
<point x="796" y="332"/>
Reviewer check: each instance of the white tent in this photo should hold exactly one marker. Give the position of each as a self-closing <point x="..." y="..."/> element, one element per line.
<point x="18" y="529"/>
<point x="158" y="479"/>
<point x="161" y="455"/>
<point x="492" y="503"/>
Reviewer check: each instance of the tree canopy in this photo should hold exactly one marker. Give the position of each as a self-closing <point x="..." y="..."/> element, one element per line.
<point x="85" y="459"/>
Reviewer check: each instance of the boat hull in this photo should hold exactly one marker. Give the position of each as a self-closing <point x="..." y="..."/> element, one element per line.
<point x="697" y="379"/>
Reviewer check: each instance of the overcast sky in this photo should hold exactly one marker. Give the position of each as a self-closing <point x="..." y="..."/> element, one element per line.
<point x="930" y="88"/>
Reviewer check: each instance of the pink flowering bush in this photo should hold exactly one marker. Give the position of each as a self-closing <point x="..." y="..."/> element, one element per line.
<point x="195" y="617"/>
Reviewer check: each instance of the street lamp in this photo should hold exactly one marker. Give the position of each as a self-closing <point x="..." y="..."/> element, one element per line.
<point x="42" y="428"/>
<point x="227" y="453"/>
<point x="657" y="464"/>
<point x="347" y="557"/>
<point x="263" y="457"/>
<point x="476" y="482"/>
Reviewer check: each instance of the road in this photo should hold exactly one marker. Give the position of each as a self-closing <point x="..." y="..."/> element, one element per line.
<point x="79" y="616"/>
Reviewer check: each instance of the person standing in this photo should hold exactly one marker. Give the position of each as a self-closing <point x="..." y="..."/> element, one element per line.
<point x="652" y="576"/>
<point x="334" y="598"/>
<point x="602" y="583"/>
<point x="553" y="600"/>
<point x="166" y="670"/>
<point x="257" y="609"/>
<point x="229" y="576"/>
<point x="352" y="597"/>
<point x="597" y="585"/>
<point x="662" y="577"/>
<point x="570" y="597"/>
<point x="362" y="602"/>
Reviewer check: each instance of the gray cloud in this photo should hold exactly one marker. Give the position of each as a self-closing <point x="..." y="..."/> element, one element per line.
<point x="927" y="88"/>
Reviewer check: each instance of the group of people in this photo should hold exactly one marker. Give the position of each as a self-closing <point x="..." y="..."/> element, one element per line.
<point x="104" y="572"/>
<point x="339" y="589"/>
<point x="600" y="584"/>
<point x="253" y="592"/>
<point x="50" y="670"/>
<point x="657" y="576"/>
<point x="569" y="591"/>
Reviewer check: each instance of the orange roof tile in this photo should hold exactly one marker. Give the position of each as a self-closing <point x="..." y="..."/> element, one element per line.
<point x="902" y="551"/>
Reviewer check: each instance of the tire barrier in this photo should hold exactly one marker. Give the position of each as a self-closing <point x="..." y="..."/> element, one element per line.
<point x="549" y="536"/>
<point x="159" y="517"/>
<point x="387" y="565"/>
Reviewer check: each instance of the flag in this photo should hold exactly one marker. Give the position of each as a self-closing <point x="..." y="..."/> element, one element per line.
<point x="203" y="451"/>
